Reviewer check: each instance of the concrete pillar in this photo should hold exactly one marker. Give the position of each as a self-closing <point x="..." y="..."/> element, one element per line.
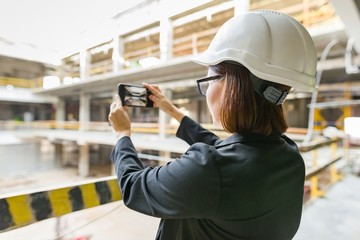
<point x="103" y="154"/>
<point x="241" y="6"/>
<point x="58" y="152"/>
<point x="198" y="109"/>
<point x="84" y="160"/>
<point x="60" y="110"/>
<point x="303" y="112"/>
<point x="102" y="111"/>
<point x="42" y="111"/>
<point x="166" y="39"/>
<point x="112" y="171"/>
<point x="193" y="110"/>
<point x="164" y="119"/>
<point x="85" y="62"/>
<point x="84" y="111"/>
<point x="118" y="54"/>
<point x="164" y="155"/>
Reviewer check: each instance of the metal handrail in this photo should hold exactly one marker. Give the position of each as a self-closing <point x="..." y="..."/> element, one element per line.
<point x="104" y="126"/>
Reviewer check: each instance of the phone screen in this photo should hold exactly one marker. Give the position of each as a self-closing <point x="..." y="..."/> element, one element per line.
<point x="134" y="96"/>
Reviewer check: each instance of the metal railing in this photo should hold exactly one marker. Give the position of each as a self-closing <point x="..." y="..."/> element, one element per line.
<point x="20" y="83"/>
<point x="104" y="126"/>
<point x="75" y="125"/>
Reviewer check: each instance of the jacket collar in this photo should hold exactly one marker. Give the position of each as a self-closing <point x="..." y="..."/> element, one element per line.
<point x="242" y="138"/>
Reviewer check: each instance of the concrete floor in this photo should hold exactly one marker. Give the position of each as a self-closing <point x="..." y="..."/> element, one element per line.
<point x="335" y="217"/>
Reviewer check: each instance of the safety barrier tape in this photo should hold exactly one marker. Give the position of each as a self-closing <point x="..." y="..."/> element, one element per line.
<point x="21" y="210"/>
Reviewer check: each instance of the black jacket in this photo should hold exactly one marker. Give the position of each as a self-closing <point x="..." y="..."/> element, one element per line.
<point x="244" y="187"/>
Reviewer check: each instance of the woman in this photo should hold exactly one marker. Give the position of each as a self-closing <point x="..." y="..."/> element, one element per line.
<point x="250" y="185"/>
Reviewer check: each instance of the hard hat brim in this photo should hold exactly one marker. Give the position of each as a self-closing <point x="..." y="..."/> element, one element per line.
<point x="260" y="68"/>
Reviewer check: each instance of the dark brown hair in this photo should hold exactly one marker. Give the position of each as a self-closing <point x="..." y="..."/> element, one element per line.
<point x="245" y="111"/>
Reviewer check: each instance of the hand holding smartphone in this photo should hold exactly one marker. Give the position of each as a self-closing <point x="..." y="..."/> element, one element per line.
<point x="134" y="95"/>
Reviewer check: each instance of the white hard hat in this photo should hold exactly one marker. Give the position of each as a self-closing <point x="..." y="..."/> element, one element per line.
<point x="273" y="46"/>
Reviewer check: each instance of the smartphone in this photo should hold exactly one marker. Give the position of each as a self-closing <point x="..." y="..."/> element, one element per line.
<point x="134" y="96"/>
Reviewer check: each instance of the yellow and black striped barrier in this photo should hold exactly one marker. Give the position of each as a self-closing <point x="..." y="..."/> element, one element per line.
<point x="21" y="210"/>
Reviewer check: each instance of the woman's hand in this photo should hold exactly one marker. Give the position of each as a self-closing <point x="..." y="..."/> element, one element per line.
<point x="119" y="119"/>
<point x="163" y="102"/>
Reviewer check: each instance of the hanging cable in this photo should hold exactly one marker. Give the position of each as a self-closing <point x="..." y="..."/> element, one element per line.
<point x="323" y="57"/>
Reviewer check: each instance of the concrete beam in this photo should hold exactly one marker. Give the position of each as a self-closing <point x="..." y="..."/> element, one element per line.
<point x="336" y="63"/>
<point x="170" y="71"/>
<point x="348" y="11"/>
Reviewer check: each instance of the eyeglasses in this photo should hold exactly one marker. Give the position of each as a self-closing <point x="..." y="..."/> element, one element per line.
<point x="203" y="84"/>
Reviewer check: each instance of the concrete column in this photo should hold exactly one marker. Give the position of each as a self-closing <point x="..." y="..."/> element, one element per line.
<point x="114" y="92"/>
<point x="193" y="110"/>
<point x="84" y="111"/>
<point x="118" y="54"/>
<point x="303" y="113"/>
<point x="198" y="111"/>
<point x="60" y="110"/>
<point x="104" y="153"/>
<point x="58" y="152"/>
<point x="166" y="39"/>
<point x="42" y="113"/>
<point x="164" y="119"/>
<point x="102" y="111"/>
<point x="164" y="155"/>
<point x="85" y="62"/>
<point x="84" y="160"/>
<point x="241" y="6"/>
